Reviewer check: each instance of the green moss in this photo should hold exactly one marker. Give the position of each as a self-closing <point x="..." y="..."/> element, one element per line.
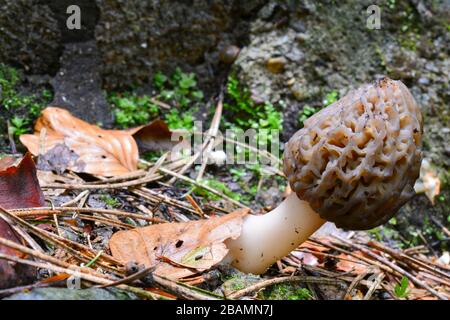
<point x="286" y="292"/>
<point x="237" y="281"/>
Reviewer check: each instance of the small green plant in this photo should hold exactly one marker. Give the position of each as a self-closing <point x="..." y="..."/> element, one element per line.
<point x="330" y="98"/>
<point x="132" y="110"/>
<point x="401" y="289"/>
<point x="305" y="114"/>
<point x="152" y="156"/>
<point x="246" y="113"/>
<point x="391" y="4"/>
<point x="179" y="91"/>
<point x="241" y="114"/>
<point x="20" y="109"/>
<point x="179" y="120"/>
<point x="18" y="126"/>
<point x="308" y="111"/>
<point x="110" y="201"/>
<point x="9" y="77"/>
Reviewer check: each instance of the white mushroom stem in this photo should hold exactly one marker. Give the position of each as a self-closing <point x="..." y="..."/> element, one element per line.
<point x="267" y="238"/>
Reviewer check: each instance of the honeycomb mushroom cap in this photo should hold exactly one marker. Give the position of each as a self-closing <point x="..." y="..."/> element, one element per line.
<point x="356" y="161"/>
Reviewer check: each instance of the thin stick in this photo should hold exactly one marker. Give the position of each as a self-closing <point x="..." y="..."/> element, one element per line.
<point x="368" y="261"/>
<point x="394" y="267"/>
<point x="61" y="210"/>
<point x="129" y="279"/>
<point x="355" y="282"/>
<point x="213" y="135"/>
<point x="374" y="286"/>
<point x="132" y="183"/>
<point x="151" y="195"/>
<point x="182" y="290"/>
<point x="12" y="143"/>
<point x="76" y="199"/>
<point x="410" y="260"/>
<point x="77" y="273"/>
<point x="189" y="180"/>
<point x="46" y="258"/>
<point x="59" y="241"/>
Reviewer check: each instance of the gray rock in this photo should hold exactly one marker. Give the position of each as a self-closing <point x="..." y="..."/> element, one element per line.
<point x="77" y="84"/>
<point x="29" y="36"/>
<point x="137" y="38"/>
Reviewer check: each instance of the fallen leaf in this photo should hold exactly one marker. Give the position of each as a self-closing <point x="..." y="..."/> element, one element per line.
<point x="19" y="188"/>
<point x="56" y="278"/>
<point x="348" y="263"/>
<point x="155" y="136"/>
<point x="428" y="181"/>
<point x="66" y="142"/>
<point x="178" y="250"/>
<point x="103" y="152"/>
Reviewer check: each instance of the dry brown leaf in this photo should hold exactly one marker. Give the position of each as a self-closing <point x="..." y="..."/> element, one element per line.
<point x="94" y="150"/>
<point x="178" y="249"/>
<point x="100" y="152"/>
<point x="155" y="136"/>
<point x="349" y="263"/>
<point x="19" y="188"/>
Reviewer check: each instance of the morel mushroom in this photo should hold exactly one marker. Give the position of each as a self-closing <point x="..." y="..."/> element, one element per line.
<point x="354" y="163"/>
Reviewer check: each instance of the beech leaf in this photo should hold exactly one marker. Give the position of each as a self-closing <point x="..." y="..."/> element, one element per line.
<point x="19" y="188"/>
<point x="84" y="147"/>
<point x="349" y="263"/>
<point x="155" y="136"/>
<point x="178" y="250"/>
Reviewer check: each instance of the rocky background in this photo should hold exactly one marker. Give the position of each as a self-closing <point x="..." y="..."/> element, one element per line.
<point x="295" y="52"/>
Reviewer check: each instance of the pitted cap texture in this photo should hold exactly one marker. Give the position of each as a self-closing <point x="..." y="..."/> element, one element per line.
<point x="356" y="161"/>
